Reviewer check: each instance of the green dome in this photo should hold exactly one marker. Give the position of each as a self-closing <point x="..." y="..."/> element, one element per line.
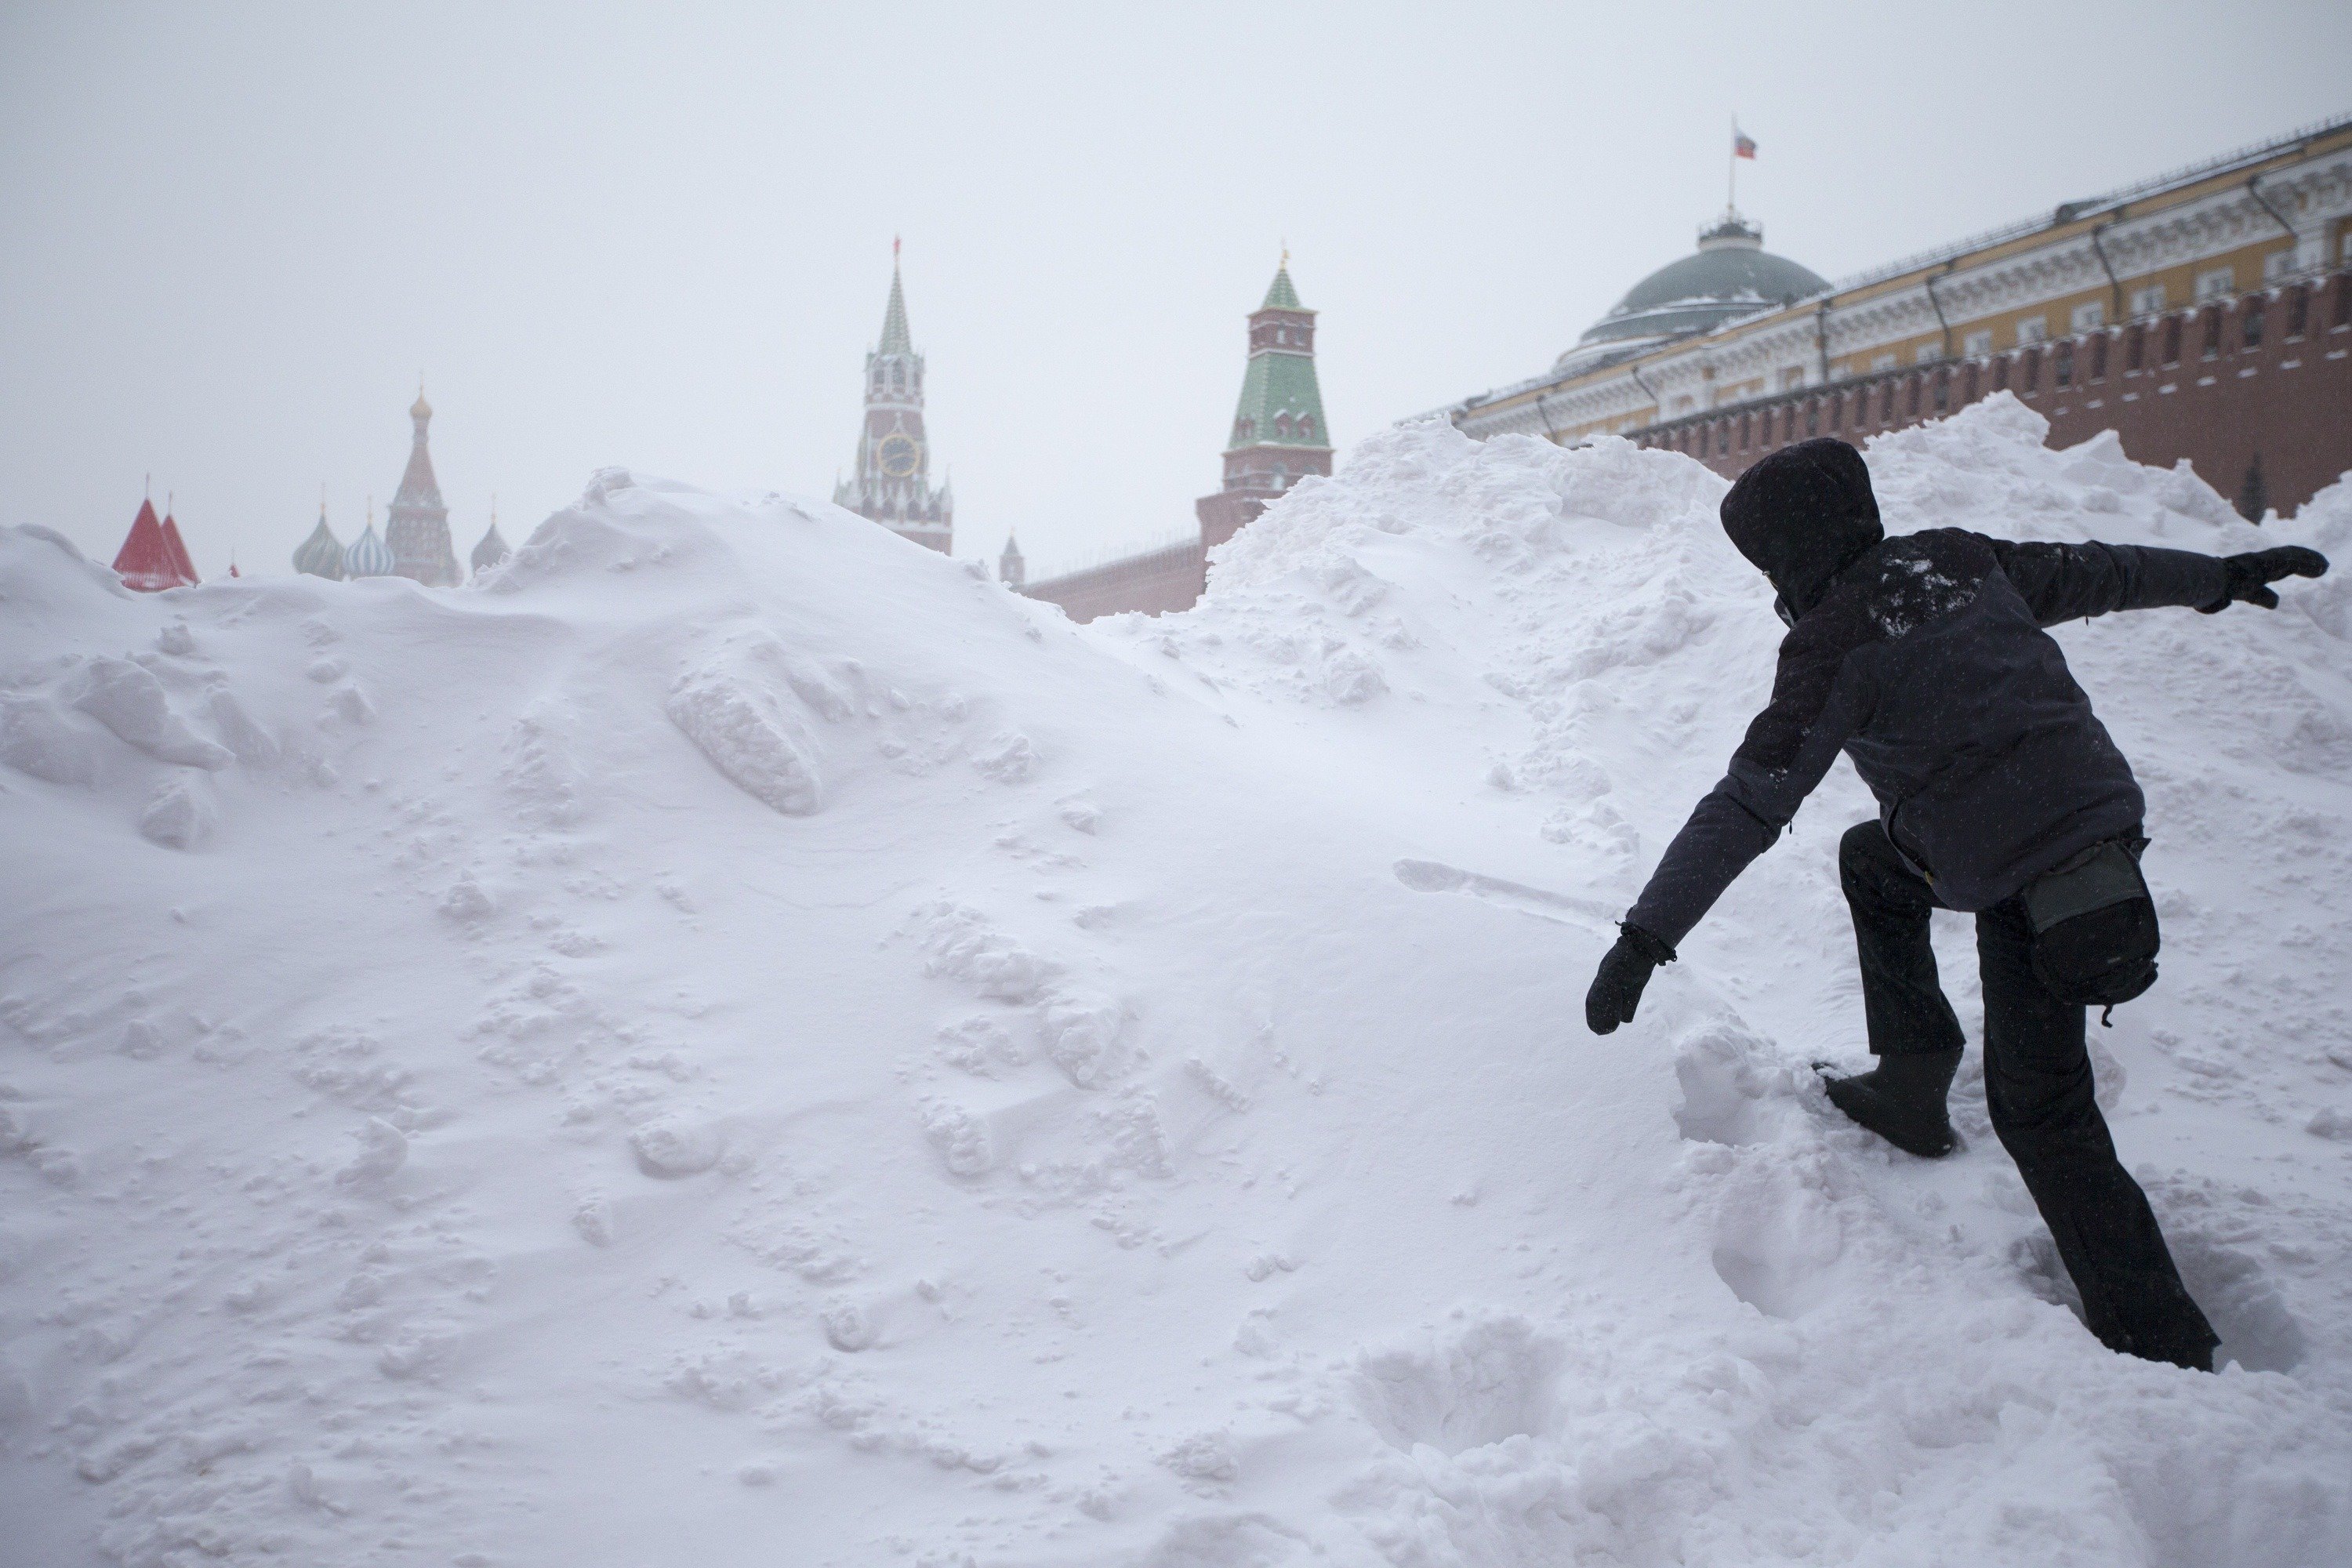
<point x="322" y="555"/>
<point x="1731" y="275"/>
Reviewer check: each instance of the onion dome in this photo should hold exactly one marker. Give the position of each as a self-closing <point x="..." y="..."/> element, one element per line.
<point x="369" y="557"/>
<point x="1731" y="275"/>
<point x="493" y="547"/>
<point x="321" y="554"/>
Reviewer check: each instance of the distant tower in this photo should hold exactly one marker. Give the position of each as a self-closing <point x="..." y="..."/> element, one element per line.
<point x="894" y="462"/>
<point x="493" y="548"/>
<point x="369" y="557"/>
<point x="1279" y="435"/>
<point x="321" y="554"/>
<point x="1011" y="570"/>
<point x="417" y="527"/>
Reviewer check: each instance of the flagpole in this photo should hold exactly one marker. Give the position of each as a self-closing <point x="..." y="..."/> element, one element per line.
<point x="1731" y="171"/>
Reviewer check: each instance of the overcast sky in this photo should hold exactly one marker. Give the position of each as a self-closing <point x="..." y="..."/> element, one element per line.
<point x="659" y="235"/>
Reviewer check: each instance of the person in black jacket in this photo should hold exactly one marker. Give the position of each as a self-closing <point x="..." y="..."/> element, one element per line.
<point x="1923" y="659"/>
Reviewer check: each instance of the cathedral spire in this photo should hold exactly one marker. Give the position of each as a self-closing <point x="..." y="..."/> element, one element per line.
<point x="416" y="527"/>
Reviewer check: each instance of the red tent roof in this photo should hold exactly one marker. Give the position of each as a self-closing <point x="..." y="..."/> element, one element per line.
<point x="180" y="558"/>
<point x="147" y="560"/>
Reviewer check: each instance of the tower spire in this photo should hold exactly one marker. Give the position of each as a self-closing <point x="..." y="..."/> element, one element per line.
<point x="891" y="484"/>
<point x="895" y="339"/>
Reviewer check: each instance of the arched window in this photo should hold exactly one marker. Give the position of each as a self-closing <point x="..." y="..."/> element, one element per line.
<point x="2298" y="309"/>
<point x="898" y="378"/>
<point x="2098" y="356"/>
<point x="2172" y="341"/>
<point x="2250" y="321"/>
<point x="1307" y="426"/>
<point x="2063" y="364"/>
<point x="1282" y="427"/>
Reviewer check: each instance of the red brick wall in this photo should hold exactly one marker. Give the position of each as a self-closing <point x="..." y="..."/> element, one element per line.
<point x="1153" y="583"/>
<point x="2286" y="397"/>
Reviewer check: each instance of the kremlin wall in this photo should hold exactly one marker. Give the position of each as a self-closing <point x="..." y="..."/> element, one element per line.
<point x="2201" y="315"/>
<point x="2204" y="315"/>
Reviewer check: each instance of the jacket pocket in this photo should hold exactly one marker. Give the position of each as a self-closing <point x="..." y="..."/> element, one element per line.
<point x="2094" y="924"/>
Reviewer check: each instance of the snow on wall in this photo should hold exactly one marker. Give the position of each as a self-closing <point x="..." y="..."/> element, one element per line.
<point x="739" y="1041"/>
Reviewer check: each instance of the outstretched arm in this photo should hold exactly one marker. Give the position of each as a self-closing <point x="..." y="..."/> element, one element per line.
<point x="2070" y="582"/>
<point x="1817" y="703"/>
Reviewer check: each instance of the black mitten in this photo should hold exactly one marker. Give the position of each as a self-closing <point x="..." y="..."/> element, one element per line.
<point x="2250" y="575"/>
<point x="1624" y="971"/>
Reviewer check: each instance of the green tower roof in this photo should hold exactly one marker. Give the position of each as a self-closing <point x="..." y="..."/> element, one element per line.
<point x="1282" y="402"/>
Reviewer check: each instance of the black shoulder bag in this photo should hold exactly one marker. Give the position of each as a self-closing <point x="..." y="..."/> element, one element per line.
<point x="2094" y="936"/>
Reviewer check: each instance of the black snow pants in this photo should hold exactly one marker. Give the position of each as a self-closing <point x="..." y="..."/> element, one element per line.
<point x="2038" y="1087"/>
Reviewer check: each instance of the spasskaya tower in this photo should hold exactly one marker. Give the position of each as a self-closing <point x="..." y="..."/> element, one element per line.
<point x="892" y="484"/>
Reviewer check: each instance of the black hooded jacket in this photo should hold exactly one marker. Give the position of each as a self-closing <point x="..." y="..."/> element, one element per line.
<point x="1922" y="657"/>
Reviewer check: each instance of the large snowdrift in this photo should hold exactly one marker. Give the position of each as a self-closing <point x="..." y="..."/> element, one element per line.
<point x="739" y="1041"/>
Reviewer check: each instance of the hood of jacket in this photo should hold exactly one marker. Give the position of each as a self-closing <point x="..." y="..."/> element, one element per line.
<point x="1802" y="515"/>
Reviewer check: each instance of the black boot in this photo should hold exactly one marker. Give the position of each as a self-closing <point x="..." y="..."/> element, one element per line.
<point x="1902" y="1100"/>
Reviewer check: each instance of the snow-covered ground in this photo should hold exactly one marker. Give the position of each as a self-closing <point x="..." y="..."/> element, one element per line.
<point x="738" y="1041"/>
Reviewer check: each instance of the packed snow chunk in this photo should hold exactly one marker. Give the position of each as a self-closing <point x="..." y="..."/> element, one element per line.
<point x="180" y="815"/>
<point x="748" y="736"/>
<point x="128" y="699"/>
<point x="36" y="739"/>
<point x="1082" y="1030"/>
<point x="1735" y="1088"/>
<point x="1008" y="759"/>
<point x="253" y="745"/>
<point x="671" y="1147"/>
<point x="960" y="1137"/>
<point x="384" y="1149"/>
<point x="964" y="944"/>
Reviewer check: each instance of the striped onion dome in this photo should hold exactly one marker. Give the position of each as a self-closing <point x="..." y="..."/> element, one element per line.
<point x="491" y="550"/>
<point x="369" y="557"/>
<point x="321" y="554"/>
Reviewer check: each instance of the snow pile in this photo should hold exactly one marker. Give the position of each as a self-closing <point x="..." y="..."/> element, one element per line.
<point x="742" y="1042"/>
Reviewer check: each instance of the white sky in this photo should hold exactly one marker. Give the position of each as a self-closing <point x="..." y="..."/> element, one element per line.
<point x="659" y="235"/>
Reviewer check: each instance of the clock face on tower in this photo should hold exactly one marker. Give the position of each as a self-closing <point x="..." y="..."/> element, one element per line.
<point x="899" y="453"/>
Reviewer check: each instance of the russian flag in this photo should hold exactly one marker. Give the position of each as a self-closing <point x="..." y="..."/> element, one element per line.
<point x="1743" y="145"/>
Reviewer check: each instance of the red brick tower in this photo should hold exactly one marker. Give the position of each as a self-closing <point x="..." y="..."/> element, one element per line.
<point x="1279" y="435"/>
<point x="894" y="461"/>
